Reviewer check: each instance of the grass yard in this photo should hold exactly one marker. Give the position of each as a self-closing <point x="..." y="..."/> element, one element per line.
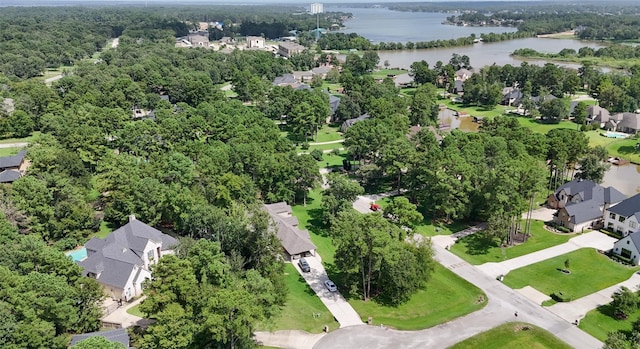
<point x="21" y="140"/>
<point x="328" y="133"/>
<point x="590" y="272"/>
<point x="334" y="160"/>
<point x="382" y="73"/>
<point x="536" y="126"/>
<point x="513" y="335"/>
<point x="322" y="147"/>
<point x="600" y="321"/>
<point x="9" y="151"/>
<point x="105" y="229"/>
<point x="331" y="87"/>
<point x="302" y="303"/>
<point x="476" y="249"/>
<point x="428" y="227"/>
<point x="623" y="148"/>
<point x="474" y="110"/>
<point x="446" y="297"/>
<point x="135" y="311"/>
<point x="309" y="218"/>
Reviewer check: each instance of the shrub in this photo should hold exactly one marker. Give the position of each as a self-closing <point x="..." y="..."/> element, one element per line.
<point x="305" y="146"/>
<point x="316" y="154"/>
<point x="558" y="296"/>
<point x="68" y="243"/>
<point x="563" y="229"/>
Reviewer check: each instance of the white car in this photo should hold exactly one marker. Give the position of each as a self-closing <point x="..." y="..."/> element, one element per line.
<point x="331" y="286"/>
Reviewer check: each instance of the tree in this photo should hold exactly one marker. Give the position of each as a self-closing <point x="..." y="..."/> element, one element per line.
<point x="592" y="168"/>
<point x="402" y="212"/>
<point x="421" y="72"/>
<point x="424" y="106"/>
<point x="342" y="192"/>
<point x="616" y="340"/>
<point x="554" y="110"/>
<point x="370" y="60"/>
<point x="579" y="113"/>
<point x="624" y="302"/>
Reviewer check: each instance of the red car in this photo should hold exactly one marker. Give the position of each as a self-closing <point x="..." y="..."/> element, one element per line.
<point x="374" y="207"/>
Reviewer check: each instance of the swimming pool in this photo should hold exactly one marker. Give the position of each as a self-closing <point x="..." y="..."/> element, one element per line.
<point x="77" y="255"/>
<point x="611" y="134"/>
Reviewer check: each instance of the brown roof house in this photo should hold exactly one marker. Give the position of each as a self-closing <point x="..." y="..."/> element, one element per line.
<point x="296" y="243"/>
<point x="288" y="49"/>
<point x="624" y="122"/>
<point x="122" y="261"/>
<point x="13" y="167"/>
<point x="597" y="115"/>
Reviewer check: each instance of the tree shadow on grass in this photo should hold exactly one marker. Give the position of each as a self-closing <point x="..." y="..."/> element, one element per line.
<point x="477" y="244"/>
<point x="316" y="223"/>
<point x="628" y="149"/>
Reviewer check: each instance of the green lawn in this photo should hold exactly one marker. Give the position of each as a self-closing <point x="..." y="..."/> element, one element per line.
<point x="600" y="321"/>
<point x="474" y="110"/>
<point x="428" y="227"/>
<point x="328" y="133"/>
<point x="9" y="151"/>
<point x="105" y="229"/>
<point x="135" y="310"/>
<point x="298" y="312"/>
<point x="309" y="218"/>
<point x="536" y="126"/>
<point x="382" y="73"/>
<point x="334" y="160"/>
<point x="322" y="147"/>
<point x="476" y="249"/>
<point x="446" y="297"/>
<point x="513" y="335"/>
<point x="331" y="87"/>
<point x="623" y="148"/>
<point x="590" y="272"/>
<point x="20" y="140"/>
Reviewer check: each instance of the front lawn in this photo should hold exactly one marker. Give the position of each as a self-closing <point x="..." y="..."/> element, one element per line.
<point x="428" y="227"/>
<point x="539" y="127"/>
<point x="9" y="151"/>
<point x="135" y="311"/>
<point x="513" y="335"/>
<point x="328" y="133"/>
<point x="301" y="309"/>
<point x="600" y="321"/>
<point x="476" y="249"/>
<point x="475" y="110"/>
<point x="383" y="73"/>
<point x="332" y="160"/>
<point x="446" y="297"/>
<point x="310" y="218"/>
<point x="590" y="272"/>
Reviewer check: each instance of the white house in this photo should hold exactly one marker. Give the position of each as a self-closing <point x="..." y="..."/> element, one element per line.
<point x="624" y="217"/>
<point x="628" y="247"/>
<point x="121" y="261"/>
<point x="255" y="42"/>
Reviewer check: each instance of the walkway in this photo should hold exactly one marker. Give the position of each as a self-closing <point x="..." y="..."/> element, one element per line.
<point x="503" y="302"/>
<point x="327" y="142"/>
<point x="594" y="239"/>
<point x="335" y="303"/>
<point x="571" y="311"/>
<point x="288" y="339"/>
<point x="14" y="145"/>
<point x="469" y="231"/>
<point x="124" y="319"/>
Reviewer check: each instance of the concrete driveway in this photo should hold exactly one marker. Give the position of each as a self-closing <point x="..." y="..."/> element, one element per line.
<point x="337" y="305"/>
<point x="544" y="214"/>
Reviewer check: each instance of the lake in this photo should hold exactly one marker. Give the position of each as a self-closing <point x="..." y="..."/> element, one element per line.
<point x="625" y="178"/>
<point x="381" y="24"/>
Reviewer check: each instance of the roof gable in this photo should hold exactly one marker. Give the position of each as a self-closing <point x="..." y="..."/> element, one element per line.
<point x="13" y="160"/>
<point x="294" y="240"/>
<point x="628" y="207"/>
<point x="583" y="212"/>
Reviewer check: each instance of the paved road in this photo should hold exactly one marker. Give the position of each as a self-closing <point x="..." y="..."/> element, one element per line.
<point x="335" y="303"/>
<point x="288" y="339"/>
<point x="14" y="145"/>
<point x="363" y="202"/>
<point x="594" y="239"/>
<point x="503" y="302"/>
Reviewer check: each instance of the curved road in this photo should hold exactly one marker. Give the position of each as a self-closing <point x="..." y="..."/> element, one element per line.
<point x="502" y="305"/>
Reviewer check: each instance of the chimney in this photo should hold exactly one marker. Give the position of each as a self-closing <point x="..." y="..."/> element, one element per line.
<point x="132" y="218"/>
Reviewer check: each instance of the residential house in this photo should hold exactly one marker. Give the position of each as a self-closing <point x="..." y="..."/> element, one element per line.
<point x="322" y="70"/>
<point x="13" y="167"/>
<point x="284" y="80"/>
<point x="334" y="102"/>
<point x="198" y="39"/>
<point x="581" y="204"/>
<point x="463" y="74"/>
<point x="511" y="96"/>
<point x="255" y="42"/>
<point x="624" y="122"/>
<point x="624" y="217"/>
<point x="295" y="242"/>
<point x="288" y="49"/>
<point x="628" y="247"/>
<point x="403" y="80"/>
<point x="226" y="40"/>
<point x="348" y="123"/>
<point x="303" y="76"/>
<point x="597" y="115"/>
<point x="119" y="335"/>
<point x="121" y="261"/>
<point x="458" y="87"/>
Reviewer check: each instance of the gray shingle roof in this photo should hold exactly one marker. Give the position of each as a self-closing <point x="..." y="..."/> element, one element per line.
<point x="293" y="240"/>
<point x="112" y="259"/>
<point x="582" y="187"/>
<point x="583" y="212"/>
<point x="628" y="207"/>
<point x="119" y="335"/>
<point x="635" y="239"/>
<point x="9" y="176"/>
<point x="285" y="79"/>
<point x="13" y="160"/>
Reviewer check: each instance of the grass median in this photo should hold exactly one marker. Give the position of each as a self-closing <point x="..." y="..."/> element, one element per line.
<point x="513" y="335"/>
<point x="590" y="272"/>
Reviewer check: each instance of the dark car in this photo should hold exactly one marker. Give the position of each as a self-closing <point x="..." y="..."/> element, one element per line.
<point x="304" y="265"/>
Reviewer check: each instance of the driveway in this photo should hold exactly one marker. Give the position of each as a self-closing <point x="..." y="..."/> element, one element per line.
<point x="503" y="302"/>
<point x="544" y="214"/>
<point x="594" y="239"/>
<point x="363" y="202"/>
<point x="337" y="305"/>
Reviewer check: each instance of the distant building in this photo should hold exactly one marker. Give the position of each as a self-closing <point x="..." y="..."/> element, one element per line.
<point x="198" y="39"/>
<point x="288" y="49"/>
<point x="316" y="8"/>
<point x="255" y="42"/>
<point x="13" y="167"/>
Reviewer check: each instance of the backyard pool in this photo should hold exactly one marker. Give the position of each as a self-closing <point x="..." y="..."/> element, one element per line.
<point x="78" y="254"/>
<point x="611" y="134"/>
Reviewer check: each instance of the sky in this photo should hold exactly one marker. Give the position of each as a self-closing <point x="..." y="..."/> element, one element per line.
<point x="175" y="2"/>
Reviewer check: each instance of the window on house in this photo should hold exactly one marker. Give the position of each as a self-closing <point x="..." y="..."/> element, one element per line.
<point x="620" y="229"/>
<point x="625" y="253"/>
<point x="621" y="219"/>
<point x="150" y="255"/>
<point x="633" y="225"/>
<point x="610" y="226"/>
<point x="612" y="215"/>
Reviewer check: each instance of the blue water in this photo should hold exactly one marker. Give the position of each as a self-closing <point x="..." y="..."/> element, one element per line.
<point x="611" y="134"/>
<point x="77" y="255"/>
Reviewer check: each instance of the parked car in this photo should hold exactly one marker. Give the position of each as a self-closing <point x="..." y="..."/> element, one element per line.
<point x="304" y="265"/>
<point x="331" y="286"/>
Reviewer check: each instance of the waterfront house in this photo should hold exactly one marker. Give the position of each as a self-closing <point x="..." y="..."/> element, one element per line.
<point x="624" y="218"/>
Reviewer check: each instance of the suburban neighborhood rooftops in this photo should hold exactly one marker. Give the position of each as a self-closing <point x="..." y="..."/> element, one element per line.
<point x="293" y="240"/>
<point x="628" y="207"/>
<point x="119" y="335"/>
<point x="583" y="211"/>
<point x="285" y="79"/>
<point x="588" y="190"/>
